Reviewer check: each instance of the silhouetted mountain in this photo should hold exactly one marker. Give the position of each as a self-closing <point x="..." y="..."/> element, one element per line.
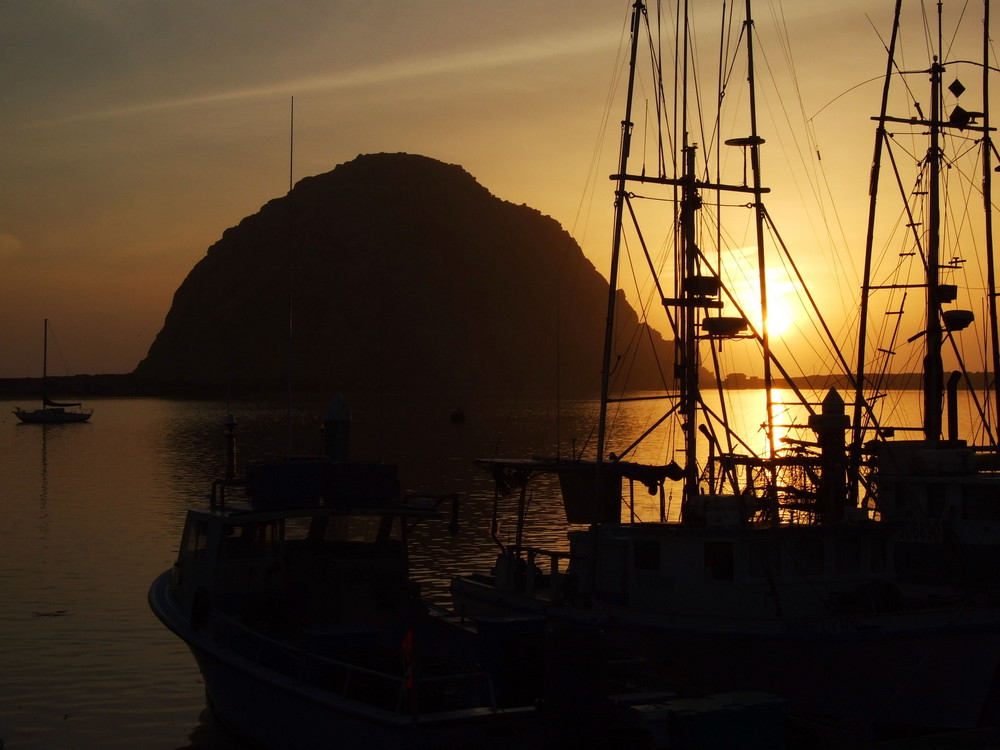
<point x="405" y="274"/>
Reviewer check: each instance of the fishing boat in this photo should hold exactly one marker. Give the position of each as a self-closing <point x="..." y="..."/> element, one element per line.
<point x="292" y="590"/>
<point x="936" y="478"/>
<point x="300" y="612"/>
<point x="51" y="412"/>
<point x="770" y="576"/>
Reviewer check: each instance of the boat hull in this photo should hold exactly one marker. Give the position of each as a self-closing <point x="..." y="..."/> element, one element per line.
<point x="51" y="416"/>
<point x="927" y="669"/>
<point x="275" y="710"/>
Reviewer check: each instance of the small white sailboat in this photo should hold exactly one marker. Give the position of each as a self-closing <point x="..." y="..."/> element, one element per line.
<point x="51" y="412"/>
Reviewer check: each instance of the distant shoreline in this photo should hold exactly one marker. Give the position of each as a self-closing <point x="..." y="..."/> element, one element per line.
<point x="897" y="382"/>
<point x="128" y="385"/>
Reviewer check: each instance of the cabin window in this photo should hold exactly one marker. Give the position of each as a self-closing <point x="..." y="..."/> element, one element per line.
<point x="195" y="539"/>
<point x="252" y="540"/>
<point x="765" y="559"/>
<point x="646" y="555"/>
<point x="807" y="556"/>
<point x="848" y="555"/>
<point x="719" y="561"/>
<point x="337" y="528"/>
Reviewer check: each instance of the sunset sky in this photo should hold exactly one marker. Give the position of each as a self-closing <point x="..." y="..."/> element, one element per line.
<point x="133" y="133"/>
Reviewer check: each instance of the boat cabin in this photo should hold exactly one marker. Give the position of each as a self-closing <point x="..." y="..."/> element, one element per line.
<point x="944" y="503"/>
<point x="789" y="571"/>
<point x="330" y="559"/>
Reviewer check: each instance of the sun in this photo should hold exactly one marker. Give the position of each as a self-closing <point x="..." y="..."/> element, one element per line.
<point x="783" y="307"/>
<point x="780" y="317"/>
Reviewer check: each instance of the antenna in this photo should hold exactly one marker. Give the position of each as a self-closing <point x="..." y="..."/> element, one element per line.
<point x="291" y="244"/>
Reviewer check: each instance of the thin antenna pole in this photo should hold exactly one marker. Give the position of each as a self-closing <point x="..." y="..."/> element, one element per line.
<point x="291" y="244"/>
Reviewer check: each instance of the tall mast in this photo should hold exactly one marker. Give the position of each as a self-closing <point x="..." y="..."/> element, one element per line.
<point x="988" y="206"/>
<point x="638" y="9"/>
<point x="933" y="369"/>
<point x="755" y="142"/>
<point x="690" y="390"/>
<point x="857" y="439"/>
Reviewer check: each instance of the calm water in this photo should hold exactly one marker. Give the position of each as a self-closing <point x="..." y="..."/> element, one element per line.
<point x="93" y="512"/>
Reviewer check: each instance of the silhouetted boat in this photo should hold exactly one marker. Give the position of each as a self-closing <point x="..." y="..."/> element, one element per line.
<point x="301" y="614"/>
<point x="941" y="492"/>
<point x="309" y="632"/>
<point x="771" y="578"/>
<point x="51" y="412"/>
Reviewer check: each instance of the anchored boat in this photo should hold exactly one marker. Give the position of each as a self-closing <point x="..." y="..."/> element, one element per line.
<point x="51" y="412"/>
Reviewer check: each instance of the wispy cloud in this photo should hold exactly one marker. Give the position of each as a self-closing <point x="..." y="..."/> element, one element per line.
<point x="521" y="52"/>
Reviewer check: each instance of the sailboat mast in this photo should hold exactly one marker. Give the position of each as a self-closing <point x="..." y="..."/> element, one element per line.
<point x="45" y="362"/>
<point x="638" y="9"/>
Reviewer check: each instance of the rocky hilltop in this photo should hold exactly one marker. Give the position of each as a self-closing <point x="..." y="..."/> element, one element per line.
<point x="401" y="273"/>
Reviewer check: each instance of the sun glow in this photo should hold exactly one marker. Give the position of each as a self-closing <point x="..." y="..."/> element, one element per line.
<point x="780" y="317"/>
<point x="782" y="308"/>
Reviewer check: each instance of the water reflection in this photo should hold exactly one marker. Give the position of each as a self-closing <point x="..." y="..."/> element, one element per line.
<point x="93" y="512"/>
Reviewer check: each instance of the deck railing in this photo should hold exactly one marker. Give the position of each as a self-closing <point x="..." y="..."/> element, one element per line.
<point x="539" y="569"/>
<point x="411" y="688"/>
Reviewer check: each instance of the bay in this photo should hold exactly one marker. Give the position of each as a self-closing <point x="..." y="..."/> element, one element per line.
<point x="91" y="513"/>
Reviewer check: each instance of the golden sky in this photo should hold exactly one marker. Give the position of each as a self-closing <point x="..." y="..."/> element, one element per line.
<point x="133" y="133"/>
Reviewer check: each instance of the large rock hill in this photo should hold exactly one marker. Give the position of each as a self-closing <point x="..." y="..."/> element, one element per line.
<point x="401" y="273"/>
